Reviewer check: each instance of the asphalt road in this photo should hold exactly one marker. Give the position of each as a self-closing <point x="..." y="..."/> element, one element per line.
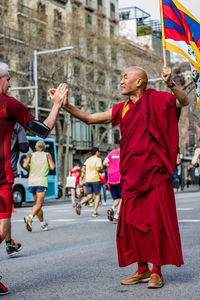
<point x="77" y="258"/>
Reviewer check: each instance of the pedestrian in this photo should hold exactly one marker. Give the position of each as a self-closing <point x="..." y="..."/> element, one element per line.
<point x="112" y="162"/>
<point x="93" y="165"/>
<point x="12" y="111"/>
<point x="195" y="163"/>
<point x="38" y="163"/>
<point x="19" y="143"/>
<point x="75" y="172"/>
<point x="148" y="227"/>
<point x="103" y="183"/>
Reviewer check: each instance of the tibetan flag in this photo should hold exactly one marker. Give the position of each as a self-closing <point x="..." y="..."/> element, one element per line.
<point x="181" y="34"/>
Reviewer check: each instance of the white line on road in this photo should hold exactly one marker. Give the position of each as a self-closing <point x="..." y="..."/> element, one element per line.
<point x="63" y="220"/>
<point x="99" y="220"/>
<point x="189" y="221"/>
<point x="184" y="208"/>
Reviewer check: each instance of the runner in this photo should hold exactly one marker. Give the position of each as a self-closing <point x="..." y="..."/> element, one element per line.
<point x="38" y="163"/>
<point x="93" y="165"/>
<point x="112" y="162"/>
<point x="12" y="111"/>
<point x="75" y="172"/>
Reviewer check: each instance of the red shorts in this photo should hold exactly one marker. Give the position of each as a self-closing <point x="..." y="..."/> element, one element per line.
<point x="6" y="199"/>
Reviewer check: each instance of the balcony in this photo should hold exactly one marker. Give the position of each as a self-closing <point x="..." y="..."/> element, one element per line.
<point x="78" y="2"/>
<point x="89" y="5"/>
<point x="31" y="13"/>
<point x="12" y="34"/>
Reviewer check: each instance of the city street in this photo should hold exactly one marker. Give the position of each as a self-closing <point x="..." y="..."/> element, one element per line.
<point x="77" y="257"/>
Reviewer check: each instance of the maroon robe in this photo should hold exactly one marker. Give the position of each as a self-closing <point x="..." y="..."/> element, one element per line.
<point x="148" y="228"/>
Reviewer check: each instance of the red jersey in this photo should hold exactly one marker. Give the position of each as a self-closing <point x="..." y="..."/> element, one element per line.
<point x="11" y="111"/>
<point x="77" y="174"/>
<point x="102" y="178"/>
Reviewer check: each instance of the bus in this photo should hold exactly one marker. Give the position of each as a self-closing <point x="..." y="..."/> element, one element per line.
<point x="20" y="186"/>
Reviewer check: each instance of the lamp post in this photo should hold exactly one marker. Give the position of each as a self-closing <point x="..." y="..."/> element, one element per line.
<point x="35" y="68"/>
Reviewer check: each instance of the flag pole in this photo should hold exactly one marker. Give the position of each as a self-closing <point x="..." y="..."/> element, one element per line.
<point x="163" y="34"/>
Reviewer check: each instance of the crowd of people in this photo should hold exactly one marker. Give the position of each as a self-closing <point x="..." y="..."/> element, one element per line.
<point x="94" y="179"/>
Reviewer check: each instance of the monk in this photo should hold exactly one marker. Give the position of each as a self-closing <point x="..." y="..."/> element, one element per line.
<point x="148" y="227"/>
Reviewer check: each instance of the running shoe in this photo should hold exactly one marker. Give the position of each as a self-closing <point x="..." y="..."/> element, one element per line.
<point x="115" y="220"/>
<point x="95" y="214"/>
<point x="13" y="248"/>
<point x="28" y="223"/>
<point x="3" y="288"/>
<point x="45" y="226"/>
<point x="110" y="214"/>
<point x="91" y="204"/>
<point x="78" y="208"/>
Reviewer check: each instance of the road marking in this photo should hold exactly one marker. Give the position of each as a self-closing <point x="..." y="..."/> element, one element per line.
<point x="185" y="208"/>
<point x="189" y="221"/>
<point x="19" y="258"/>
<point x="63" y="220"/>
<point x="99" y="220"/>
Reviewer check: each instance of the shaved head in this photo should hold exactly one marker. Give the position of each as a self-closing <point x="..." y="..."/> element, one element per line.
<point x="134" y="81"/>
<point x="137" y="71"/>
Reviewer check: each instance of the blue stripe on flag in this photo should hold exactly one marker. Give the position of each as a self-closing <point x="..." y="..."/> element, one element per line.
<point x="170" y="3"/>
<point x="194" y="27"/>
<point x="170" y="24"/>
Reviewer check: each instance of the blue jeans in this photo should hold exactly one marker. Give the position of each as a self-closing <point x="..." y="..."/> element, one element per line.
<point x="103" y="187"/>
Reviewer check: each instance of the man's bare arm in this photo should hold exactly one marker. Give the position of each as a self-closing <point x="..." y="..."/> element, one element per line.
<point x="196" y="157"/>
<point x="57" y="97"/>
<point x="97" y="118"/>
<point x="181" y="96"/>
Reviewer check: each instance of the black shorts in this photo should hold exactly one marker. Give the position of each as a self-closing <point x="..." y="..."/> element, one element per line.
<point x="115" y="190"/>
<point x="93" y="187"/>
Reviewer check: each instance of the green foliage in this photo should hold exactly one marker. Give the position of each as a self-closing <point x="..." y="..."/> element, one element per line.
<point x="144" y="30"/>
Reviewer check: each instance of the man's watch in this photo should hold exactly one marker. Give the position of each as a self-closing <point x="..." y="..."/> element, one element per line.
<point x="171" y="84"/>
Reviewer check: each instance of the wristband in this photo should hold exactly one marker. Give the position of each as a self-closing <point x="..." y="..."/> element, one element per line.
<point x="171" y="84"/>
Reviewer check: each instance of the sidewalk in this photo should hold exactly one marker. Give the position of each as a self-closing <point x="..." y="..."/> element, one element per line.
<point x="192" y="188"/>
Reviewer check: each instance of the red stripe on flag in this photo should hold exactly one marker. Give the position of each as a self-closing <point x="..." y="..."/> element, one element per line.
<point x="173" y="34"/>
<point x="170" y="14"/>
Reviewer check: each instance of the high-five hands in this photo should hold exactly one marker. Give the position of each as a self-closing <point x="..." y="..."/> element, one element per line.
<point x="60" y="95"/>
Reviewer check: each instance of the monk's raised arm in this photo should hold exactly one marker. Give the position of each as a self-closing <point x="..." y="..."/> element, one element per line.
<point x="181" y="97"/>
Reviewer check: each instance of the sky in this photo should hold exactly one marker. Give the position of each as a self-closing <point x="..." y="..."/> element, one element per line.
<point x="152" y="6"/>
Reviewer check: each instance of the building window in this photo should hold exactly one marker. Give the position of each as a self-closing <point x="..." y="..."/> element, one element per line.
<point x="101" y="78"/>
<point x="88" y="20"/>
<point x="101" y="132"/>
<point x="102" y="106"/>
<point x="112" y="10"/>
<point x="89" y="48"/>
<point x="57" y="17"/>
<point x="90" y="76"/>
<point x="99" y="3"/>
<point x="116" y="137"/>
<point x="100" y="26"/>
<point x="191" y="140"/>
<point x="77" y="100"/>
<point x="77" y="71"/>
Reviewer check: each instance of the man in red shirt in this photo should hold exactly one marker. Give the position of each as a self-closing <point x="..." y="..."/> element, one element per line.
<point x="148" y="227"/>
<point x="12" y="111"/>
